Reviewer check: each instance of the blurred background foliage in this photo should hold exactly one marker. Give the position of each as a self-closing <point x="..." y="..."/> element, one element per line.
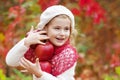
<point x="97" y="42"/>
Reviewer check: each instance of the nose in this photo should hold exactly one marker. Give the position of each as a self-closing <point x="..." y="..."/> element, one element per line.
<point x="62" y="32"/>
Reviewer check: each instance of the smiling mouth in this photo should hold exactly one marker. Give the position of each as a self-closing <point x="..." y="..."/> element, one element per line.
<point x="60" y="39"/>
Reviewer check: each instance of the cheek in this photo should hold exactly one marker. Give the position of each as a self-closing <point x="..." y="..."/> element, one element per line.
<point x="51" y="33"/>
<point x="68" y="34"/>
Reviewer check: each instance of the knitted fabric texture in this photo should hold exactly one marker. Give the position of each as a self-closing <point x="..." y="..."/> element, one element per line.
<point x="53" y="11"/>
<point x="64" y="58"/>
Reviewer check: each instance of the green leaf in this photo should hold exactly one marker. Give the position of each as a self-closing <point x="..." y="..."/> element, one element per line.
<point x="108" y="78"/>
<point x="117" y="70"/>
<point x="2" y="76"/>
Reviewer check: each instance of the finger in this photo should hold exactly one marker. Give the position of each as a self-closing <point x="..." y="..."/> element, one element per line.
<point x="24" y="62"/>
<point x="23" y="70"/>
<point x="21" y="64"/>
<point x="42" y="41"/>
<point x="37" y="62"/>
<point x="42" y="32"/>
<point x="43" y="37"/>
<point x="32" y="29"/>
<point x="27" y="61"/>
<point x="39" y="42"/>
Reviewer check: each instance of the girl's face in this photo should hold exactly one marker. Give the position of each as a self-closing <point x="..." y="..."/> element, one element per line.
<point x="58" y="30"/>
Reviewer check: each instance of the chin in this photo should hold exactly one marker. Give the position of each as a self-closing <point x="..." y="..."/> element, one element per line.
<point x="56" y="43"/>
<point x="59" y="44"/>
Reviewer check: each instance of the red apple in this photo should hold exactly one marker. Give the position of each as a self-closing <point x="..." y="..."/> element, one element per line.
<point x="45" y="66"/>
<point x="29" y="55"/>
<point x="44" y="52"/>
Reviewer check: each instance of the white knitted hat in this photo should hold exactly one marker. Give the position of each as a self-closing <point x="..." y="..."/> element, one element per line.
<point x="53" y="11"/>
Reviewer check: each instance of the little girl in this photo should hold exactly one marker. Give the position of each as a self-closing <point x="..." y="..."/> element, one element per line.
<point x="56" y="25"/>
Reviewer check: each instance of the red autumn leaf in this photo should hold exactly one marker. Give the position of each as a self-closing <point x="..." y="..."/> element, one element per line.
<point x="8" y="36"/>
<point x="116" y="47"/>
<point x="5" y="52"/>
<point x="99" y="15"/>
<point x="21" y="1"/>
<point x="17" y="20"/>
<point x="92" y="8"/>
<point x="84" y="3"/>
<point x="75" y="11"/>
<point x="46" y="3"/>
<point x="1" y="49"/>
<point x="1" y="65"/>
<point x="16" y="11"/>
<point x="115" y="61"/>
<point x="108" y="54"/>
<point x="96" y="18"/>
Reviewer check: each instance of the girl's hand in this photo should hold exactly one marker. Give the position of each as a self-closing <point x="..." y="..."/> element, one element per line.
<point x="33" y="68"/>
<point x="35" y="37"/>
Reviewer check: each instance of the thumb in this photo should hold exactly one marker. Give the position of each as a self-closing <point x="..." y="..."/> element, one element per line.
<point x="32" y="28"/>
<point x="37" y="62"/>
